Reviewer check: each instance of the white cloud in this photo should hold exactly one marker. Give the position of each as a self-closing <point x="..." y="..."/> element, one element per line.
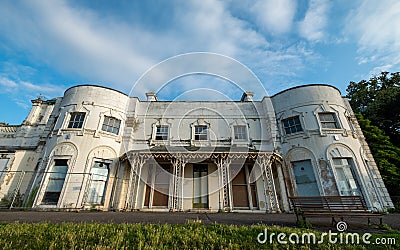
<point x="22" y="104"/>
<point x="7" y="83"/>
<point x="42" y="88"/>
<point x="274" y="16"/>
<point x="106" y="50"/>
<point x="79" y="42"/>
<point x="374" y="25"/>
<point x="22" y="90"/>
<point x="314" y="22"/>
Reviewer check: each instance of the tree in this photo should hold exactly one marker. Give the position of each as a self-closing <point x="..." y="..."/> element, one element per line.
<point x="378" y="100"/>
<point x="386" y="155"/>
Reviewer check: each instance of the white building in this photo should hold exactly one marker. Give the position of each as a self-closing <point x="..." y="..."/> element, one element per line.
<point x="96" y="147"/>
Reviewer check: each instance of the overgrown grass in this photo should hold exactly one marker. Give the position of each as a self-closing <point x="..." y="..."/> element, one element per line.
<point x="155" y="236"/>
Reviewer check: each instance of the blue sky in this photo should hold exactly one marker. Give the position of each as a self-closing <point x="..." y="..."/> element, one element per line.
<point x="48" y="46"/>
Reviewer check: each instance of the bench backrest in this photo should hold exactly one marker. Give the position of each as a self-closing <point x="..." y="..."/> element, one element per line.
<point x="330" y="203"/>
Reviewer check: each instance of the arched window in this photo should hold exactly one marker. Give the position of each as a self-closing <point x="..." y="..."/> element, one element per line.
<point x="347" y="183"/>
<point x="55" y="183"/>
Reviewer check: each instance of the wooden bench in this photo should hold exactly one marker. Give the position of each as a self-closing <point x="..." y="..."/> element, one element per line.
<point x="332" y="206"/>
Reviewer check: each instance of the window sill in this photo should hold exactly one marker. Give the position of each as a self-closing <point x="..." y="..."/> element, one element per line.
<point x="76" y="131"/>
<point x="240" y="142"/>
<point x="199" y="143"/>
<point x="332" y="130"/>
<point x="159" y="142"/>
<point x="295" y="135"/>
<point x="108" y="133"/>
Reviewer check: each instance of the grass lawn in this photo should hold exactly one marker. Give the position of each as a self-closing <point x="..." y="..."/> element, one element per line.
<point x="160" y="236"/>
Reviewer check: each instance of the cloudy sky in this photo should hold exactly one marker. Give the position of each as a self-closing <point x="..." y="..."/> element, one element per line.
<point x="48" y="46"/>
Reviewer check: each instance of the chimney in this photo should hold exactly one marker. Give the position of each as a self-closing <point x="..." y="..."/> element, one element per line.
<point x="247" y="96"/>
<point x="151" y="96"/>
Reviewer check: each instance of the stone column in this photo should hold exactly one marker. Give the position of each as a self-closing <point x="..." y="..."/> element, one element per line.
<point x="282" y="187"/>
<point x="129" y="196"/>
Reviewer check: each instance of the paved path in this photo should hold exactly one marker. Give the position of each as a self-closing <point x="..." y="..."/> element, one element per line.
<point x="323" y="224"/>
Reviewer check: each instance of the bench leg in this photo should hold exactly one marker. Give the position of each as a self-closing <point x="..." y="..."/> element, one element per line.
<point x="369" y="221"/>
<point x="333" y="221"/>
<point x="380" y="221"/>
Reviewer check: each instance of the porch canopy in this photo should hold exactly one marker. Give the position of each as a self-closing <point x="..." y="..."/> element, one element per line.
<point x="228" y="160"/>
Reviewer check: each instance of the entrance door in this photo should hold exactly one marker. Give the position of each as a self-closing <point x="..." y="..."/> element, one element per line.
<point x="305" y="178"/>
<point x="200" y="186"/>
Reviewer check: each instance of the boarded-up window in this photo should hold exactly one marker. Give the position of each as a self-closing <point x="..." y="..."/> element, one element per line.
<point x="243" y="191"/>
<point x="161" y="185"/>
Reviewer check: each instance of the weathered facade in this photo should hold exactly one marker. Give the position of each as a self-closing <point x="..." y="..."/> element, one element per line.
<point x="99" y="148"/>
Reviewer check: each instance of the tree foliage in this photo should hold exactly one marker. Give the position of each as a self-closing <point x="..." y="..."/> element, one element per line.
<point x="377" y="105"/>
<point x="378" y="100"/>
<point x="386" y="155"/>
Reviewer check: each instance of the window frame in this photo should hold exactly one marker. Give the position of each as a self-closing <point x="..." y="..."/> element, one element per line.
<point x="159" y="135"/>
<point x="291" y="126"/>
<point x="243" y="133"/>
<point x="198" y="135"/>
<point x="108" y="125"/>
<point x="80" y="122"/>
<point x="324" y="122"/>
<point x="51" y="175"/>
<point x="5" y="165"/>
<point x="352" y="184"/>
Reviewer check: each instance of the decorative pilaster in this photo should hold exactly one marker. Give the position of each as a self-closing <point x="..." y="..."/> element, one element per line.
<point x="176" y="198"/>
<point x="137" y="162"/>
<point x="225" y="198"/>
<point x="264" y="161"/>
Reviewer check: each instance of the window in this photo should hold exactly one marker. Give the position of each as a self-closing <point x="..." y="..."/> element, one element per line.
<point x="111" y="125"/>
<point x="328" y="120"/>
<point x="240" y="132"/>
<point x="200" y="133"/>
<point x="162" y="133"/>
<point x="347" y="184"/>
<point x="98" y="183"/>
<point x="3" y="164"/>
<point x="76" y="120"/>
<point x="292" y="125"/>
<point x="55" y="184"/>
